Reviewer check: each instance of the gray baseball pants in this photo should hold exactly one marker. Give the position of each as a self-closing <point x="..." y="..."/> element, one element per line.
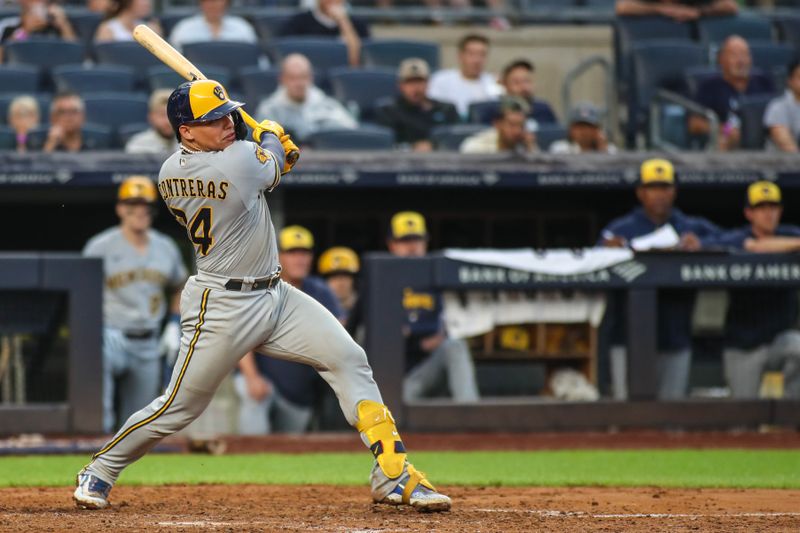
<point x="744" y="368"/>
<point x="451" y="360"/>
<point x="672" y="369"/>
<point x="219" y="327"/>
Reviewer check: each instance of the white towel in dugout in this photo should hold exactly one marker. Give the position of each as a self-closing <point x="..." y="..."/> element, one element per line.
<point x="470" y="316"/>
<point x="559" y="262"/>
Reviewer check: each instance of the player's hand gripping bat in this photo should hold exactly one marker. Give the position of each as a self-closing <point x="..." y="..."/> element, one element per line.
<point x="177" y="62"/>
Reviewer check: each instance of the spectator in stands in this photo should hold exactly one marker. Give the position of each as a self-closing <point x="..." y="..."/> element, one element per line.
<point x="761" y="324"/>
<point x="469" y="82"/>
<point x="517" y="80"/>
<point x="722" y="92"/>
<point x="67" y="117"/>
<point x="123" y="17"/>
<point x="212" y="24"/>
<point x="412" y="115"/>
<point x="38" y="19"/>
<point x="509" y="132"/>
<point x="340" y="266"/>
<point x="329" y="18"/>
<point x="782" y="116"/>
<point x="160" y="137"/>
<point x="278" y="395"/>
<point x="430" y="354"/>
<point x="301" y="107"/>
<point x="23" y="116"/>
<point x="98" y="6"/>
<point x="585" y="133"/>
<point x="680" y="10"/>
<point x="656" y="193"/>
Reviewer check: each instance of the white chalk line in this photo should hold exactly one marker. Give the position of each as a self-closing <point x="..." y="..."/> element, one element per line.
<point x="250" y="523"/>
<point x="549" y="513"/>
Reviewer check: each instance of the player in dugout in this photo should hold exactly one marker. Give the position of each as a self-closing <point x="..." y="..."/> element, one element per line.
<point x="656" y="193"/>
<point x="761" y="324"/>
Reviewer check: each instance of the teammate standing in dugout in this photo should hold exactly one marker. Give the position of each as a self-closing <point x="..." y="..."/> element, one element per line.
<point x="216" y="186"/>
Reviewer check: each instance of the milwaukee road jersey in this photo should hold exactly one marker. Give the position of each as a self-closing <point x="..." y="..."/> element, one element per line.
<point x="220" y="198"/>
<point x="134" y="282"/>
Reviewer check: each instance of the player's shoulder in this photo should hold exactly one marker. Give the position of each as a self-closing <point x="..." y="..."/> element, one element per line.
<point x="170" y="165"/>
<point x="161" y="239"/>
<point x="103" y="239"/>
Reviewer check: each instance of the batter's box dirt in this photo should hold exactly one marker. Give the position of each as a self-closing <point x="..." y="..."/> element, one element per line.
<point x="348" y="509"/>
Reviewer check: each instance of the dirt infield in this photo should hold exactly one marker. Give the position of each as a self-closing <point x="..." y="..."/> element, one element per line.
<point x="336" y="509"/>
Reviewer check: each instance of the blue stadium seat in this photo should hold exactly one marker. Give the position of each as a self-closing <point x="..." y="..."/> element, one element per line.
<point x="115" y="110"/>
<point x="789" y="28"/>
<point x="42" y="99"/>
<point x="360" y="88"/>
<point x="232" y="55"/>
<point x="366" y="137"/>
<point x="8" y="138"/>
<point x="163" y="77"/>
<point x="324" y="54"/>
<point x="714" y="30"/>
<point x="44" y="53"/>
<point x="751" y="111"/>
<point x="451" y="136"/>
<point x="96" y="137"/>
<point x="483" y="112"/>
<point x="268" y="24"/>
<point x="19" y="78"/>
<point x="547" y="134"/>
<point x="658" y="65"/>
<point x="696" y="76"/>
<point x="85" y="23"/>
<point x="391" y="52"/>
<point x="128" y="53"/>
<point x="101" y="78"/>
<point x="629" y="31"/>
<point x="257" y="84"/>
<point x="772" y="58"/>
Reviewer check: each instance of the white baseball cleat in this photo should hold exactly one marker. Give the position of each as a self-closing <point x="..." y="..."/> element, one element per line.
<point x="416" y="491"/>
<point x="91" y="492"/>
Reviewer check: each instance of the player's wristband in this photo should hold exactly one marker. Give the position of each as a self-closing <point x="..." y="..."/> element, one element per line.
<point x="175" y="317"/>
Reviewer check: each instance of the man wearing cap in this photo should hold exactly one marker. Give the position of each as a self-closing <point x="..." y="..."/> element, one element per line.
<point x="586" y="133"/>
<point x="761" y="324"/>
<point x="430" y="354"/>
<point x="278" y="395"/>
<point x="340" y="266"/>
<point x="139" y="264"/>
<point x="509" y="131"/>
<point x="656" y="193"/>
<point x="413" y="115"/>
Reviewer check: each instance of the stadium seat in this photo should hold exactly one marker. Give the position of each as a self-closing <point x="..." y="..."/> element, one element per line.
<point x="128" y="53"/>
<point x="44" y="53"/>
<point x="19" y="78"/>
<point x="268" y="25"/>
<point x="8" y="139"/>
<point x="772" y="58"/>
<point x="391" y="52"/>
<point x="451" y="136"/>
<point x="42" y="99"/>
<point x="116" y="110"/>
<point x="124" y="133"/>
<point x="163" y="77"/>
<point x="366" y="137"/>
<point x="257" y="84"/>
<point x="96" y="137"/>
<point x="232" y="55"/>
<point x="751" y="112"/>
<point x="360" y="88"/>
<point x="101" y="78"/>
<point x="629" y="31"/>
<point x="483" y="112"/>
<point x="170" y="19"/>
<point x="714" y="30"/>
<point x="85" y="23"/>
<point x="789" y="28"/>
<point x="547" y="134"/>
<point x="696" y="76"/>
<point x="658" y="65"/>
<point x="324" y="54"/>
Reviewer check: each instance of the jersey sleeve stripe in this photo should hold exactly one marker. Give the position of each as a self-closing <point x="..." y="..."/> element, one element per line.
<point x="197" y="329"/>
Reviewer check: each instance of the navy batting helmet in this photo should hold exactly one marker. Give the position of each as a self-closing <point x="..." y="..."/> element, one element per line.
<point x="199" y="101"/>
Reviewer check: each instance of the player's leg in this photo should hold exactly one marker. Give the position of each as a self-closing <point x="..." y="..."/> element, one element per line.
<point x="141" y="383"/>
<point x="306" y="332"/>
<point x="253" y="413"/>
<point x="288" y="417"/>
<point x="673" y="373"/>
<point x="217" y="331"/>
<point x="460" y="370"/>
<point x="742" y="369"/>
<point x="784" y="354"/>
<point x="421" y="380"/>
<point x="114" y="365"/>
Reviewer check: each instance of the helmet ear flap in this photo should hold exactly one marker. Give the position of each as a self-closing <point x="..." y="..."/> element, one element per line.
<point x="239" y="127"/>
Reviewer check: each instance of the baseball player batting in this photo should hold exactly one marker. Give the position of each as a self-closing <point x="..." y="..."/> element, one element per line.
<point x="216" y="186"/>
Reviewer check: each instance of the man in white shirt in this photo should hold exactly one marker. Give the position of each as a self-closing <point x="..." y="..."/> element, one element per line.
<point x="301" y="107"/>
<point x="212" y="25"/>
<point x="782" y="117"/>
<point x="469" y="82"/>
<point x="509" y="132"/>
<point x="159" y="138"/>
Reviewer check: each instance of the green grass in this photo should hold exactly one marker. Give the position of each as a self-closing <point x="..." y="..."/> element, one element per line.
<point x="666" y="468"/>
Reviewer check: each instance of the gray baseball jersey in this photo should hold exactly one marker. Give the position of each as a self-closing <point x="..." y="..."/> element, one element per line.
<point x="133" y="297"/>
<point x="219" y="198"/>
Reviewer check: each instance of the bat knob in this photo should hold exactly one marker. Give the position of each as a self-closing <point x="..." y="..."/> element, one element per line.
<point x="292" y="157"/>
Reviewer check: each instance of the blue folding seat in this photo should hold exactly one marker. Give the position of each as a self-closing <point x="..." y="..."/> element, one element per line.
<point x="365" y="137"/>
<point x="101" y="78"/>
<point x="391" y="52"/>
<point x="359" y="89"/>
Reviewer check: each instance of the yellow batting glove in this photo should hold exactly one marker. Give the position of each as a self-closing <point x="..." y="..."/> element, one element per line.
<point x="291" y="153"/>
<point x="269" y="126"/>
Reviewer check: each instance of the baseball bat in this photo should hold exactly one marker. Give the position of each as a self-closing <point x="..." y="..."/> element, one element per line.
<point x="177" y="62"/>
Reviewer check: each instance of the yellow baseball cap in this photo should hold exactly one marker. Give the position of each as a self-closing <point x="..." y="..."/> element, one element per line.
<point x="408" y="225"/>
<point x="295" y="238"/>
<point x="514" y="338"/>
<point x="763" y="192"/>
<point x="657" y="172"/>
<point x="137" y="189"/>
<point x="338" y="260"/>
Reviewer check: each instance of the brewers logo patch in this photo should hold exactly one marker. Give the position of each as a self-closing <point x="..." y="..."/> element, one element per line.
<point x="219" y="92"/>
<point x="261" y="155"/>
